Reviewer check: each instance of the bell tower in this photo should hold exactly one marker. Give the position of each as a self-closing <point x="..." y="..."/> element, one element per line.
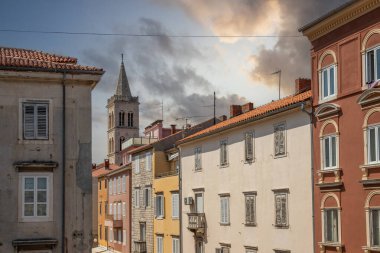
<point x="123" y="116"/>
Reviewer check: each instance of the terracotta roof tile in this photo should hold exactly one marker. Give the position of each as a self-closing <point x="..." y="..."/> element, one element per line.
<point x="259" y="111"/>
<point x="101" y="171"/>
<point x="19" y="59"/>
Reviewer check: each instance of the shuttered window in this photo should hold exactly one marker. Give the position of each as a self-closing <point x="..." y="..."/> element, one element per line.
<point x="175" y="245"/>
<point x="197" y="158"/>
<point x="175" y="205"/>
<point x="281" y="205"/>
<point x="147" y="196"/>
<point x="36" y="121"/>
<point x="136" y="197"/>
<point x="224" y="210"/>
<point x="223" y="153"/>
<point x="250" y="209"/>
<point x="136" y="162"/>
<point x="249" y="146"/>
<point x="148" y="161"/>
<point x="279" y="140"/>
<point x="159" y="206"/>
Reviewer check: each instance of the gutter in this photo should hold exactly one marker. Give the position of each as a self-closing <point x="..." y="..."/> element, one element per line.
<point x="64" y="71"/>
<point x="180" y="200"/>
<point x="243" y="122"/>
<point x="63" y="238"/>
<point x="310" y="114"/>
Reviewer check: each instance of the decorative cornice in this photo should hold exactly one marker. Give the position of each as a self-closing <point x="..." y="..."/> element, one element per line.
<point x="340" y="18"/>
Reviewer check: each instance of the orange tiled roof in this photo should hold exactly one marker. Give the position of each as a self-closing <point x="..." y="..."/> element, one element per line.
<point x="101" y="171"/>
<point x="259" y="111"/>
<point x="25" y="59"/>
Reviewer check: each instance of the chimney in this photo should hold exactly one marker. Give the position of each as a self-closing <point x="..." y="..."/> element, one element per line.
<point x="302" y="85"/>
<point x="235" y="110"/>
<point x="94" y="166"/>
<point x="247" y="107"/>
<point x="173" y="129"/>
<point x="222" y="118"/>
<point x="106" y="164"/>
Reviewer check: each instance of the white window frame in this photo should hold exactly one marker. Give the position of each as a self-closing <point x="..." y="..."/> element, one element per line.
<point x="375" y="74"/>
<point x="160" y="206"/>
<point x="160" y="244"/>
<point x="175" y="245"/>
<point x="148" y="161"/>
<point x="324" y="222"/>
<point x="321" y="81"/>
<point x="249" y="136"/>
<point x="225" y="209"/>
<point x="323" y="147"/>
<point x="276" y="129"/>
<point x="49" y="197"/>
<point x="371" y="228"/>
<point x="283" y="222"/>
<point x="377" y="144"/>
<point x="223" y="148"/>
<point x="175" y="205"/>
<point x="198" y="158"/>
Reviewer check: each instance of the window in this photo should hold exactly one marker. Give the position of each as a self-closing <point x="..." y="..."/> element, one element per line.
<point x="142" y="231"/>
<point x="130" y="119"/>
<point x="250" y="209"/>
<point x="147" y="196"/>
<point x="160" y="244"/>
<point x="328" y="82"/>
<point x="119" y="237"/>
<point x="224" y="210"/>
<point x="36" y="192"/>
<point x="106" y="233"/>
<point x="114" y="183"/>
<point x="373" y="141"/>
<point x="175" y="245"/>
<point x="250" y="249"/>
<point x="199" y="246"/>
<point x="110" y="234"/>
<point x="279" y="140"/>
<point x="114" y="211"/>
<point x="121" y="118"/>
<point x="197" y="156"/>
<point x="281" y="206"/>
<point x="175" y="205"/>
<point x="248" y="146"/>
<point x="223" y="153"/>
<point x="136" y="198"/>
<point x="372" y="65"/>
<point x="160" y="206"/>
<point x="100" y="231"/>
<point x="119" y="211"/>
<point x="110" y="187"/>
<point x="35" y="121"/>
<point x="331" y="225"/>
<point x="375" y="227"/>
<point x="148" y="161"/>
<point x="329" y="152"/>
<point x="137" y="164"/>
<point x="105" y="207"/>
<point x="110" y="209"/>
<point x="100" y="207"/>
<point x="105" y="183"/>
<point x="100" y="185"/>
<point x="124" y="181"/>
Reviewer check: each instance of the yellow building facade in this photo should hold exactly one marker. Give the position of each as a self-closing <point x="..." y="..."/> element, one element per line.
<point x="102" y="209"/>
<point x="167" y="202"/>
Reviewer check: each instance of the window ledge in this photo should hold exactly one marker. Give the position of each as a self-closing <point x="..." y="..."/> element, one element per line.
<point x="368" y="249"/>
<point x="337" y="173"/>
<point x="250" y="224"/>
<point x="337" y="245"/>
<point x="198" y="170"/>
<point x="324" y="100"/>
<point x="225" y="224"/>
<point x="224" y="165"/>
<point x="280" y="156"/>
<point x="365" y="168"/>
<point x="281" y="226"/>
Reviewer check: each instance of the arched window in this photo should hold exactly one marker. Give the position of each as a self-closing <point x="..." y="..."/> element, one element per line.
<point x="109" y="146"/>
<point x="109" y="120"/>
<point x="329" y="136"/>
<point x="130" y="119"/>
<point x="371" y="134"/>
<point x="112" y="120"/>
<point x="372" y="211"/>
<point x="112" y="146"/>
<point x="331" y="223"/>
<point x="327" y="68"/>
<point x="371" y="57"/>
<point x="121" y="118"/>
<point x="122" y="139"/>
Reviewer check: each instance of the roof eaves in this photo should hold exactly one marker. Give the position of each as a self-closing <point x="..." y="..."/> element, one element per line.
<point x="239" y="123"/>
<point x="40" y="69"/>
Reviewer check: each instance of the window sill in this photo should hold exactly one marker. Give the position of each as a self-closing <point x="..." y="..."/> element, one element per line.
<point x="366" y="168"/>
<point x="250" y="224"/>
<point x="160" y="218"/>
<point x="328" y="99"/>
<point x="225" y="224"/>
<point x="35" y="141"/>
<point x="198" y="170"/>
<point x="35" y="219"/>
<point x="337" y="245"/>
<point x="371" y="248"/>
<point x="280" y="156"/>
<point x="224" y="165"/>
<point x="281" y="226"/>
<point x="175" y="218"/>
<point x="249" y="161"/>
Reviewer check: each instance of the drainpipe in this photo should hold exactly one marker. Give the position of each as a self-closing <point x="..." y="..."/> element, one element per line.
<point x="180" y="200"/>
<point x="63" y="159"/>
<point x="310" y="114"/>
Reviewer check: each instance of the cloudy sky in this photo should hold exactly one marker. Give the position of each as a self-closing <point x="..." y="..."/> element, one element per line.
<point x="183" y="72"/>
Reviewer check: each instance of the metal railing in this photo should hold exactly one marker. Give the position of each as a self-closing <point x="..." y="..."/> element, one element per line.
<point x="167" y="173"/>
<point x="140" y="247"/>
<point x="196" y="221"/>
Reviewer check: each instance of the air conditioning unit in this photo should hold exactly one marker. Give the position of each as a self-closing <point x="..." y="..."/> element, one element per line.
<point x="189" y="200"/>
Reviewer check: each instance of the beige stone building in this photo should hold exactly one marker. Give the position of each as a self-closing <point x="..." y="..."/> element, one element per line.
<point x="45" y="152"/>
<point x="246" y="182"/>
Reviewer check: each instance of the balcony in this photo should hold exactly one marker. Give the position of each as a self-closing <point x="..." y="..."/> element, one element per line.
<point x="197" y="222"/>
<point x="140" y="247"/>
<point x="113" y="221"/>
<point x="137" y="141"/>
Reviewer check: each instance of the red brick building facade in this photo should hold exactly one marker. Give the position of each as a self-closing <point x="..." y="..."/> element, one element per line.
<point x="345" y="60"/>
